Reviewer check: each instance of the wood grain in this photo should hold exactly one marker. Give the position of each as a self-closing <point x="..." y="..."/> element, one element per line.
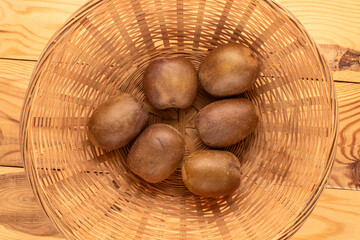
<point x="336" y="217"/>
<point x="341" y="53"/>
<point x="346" y="170"/>
<point x="14" y="79"/>
<point x="26" y="26"/>
<point x="329" y="21"/>
<point x="21" y="216"/>
<point x="344" y="62"/>
<point x="335" y="27"/>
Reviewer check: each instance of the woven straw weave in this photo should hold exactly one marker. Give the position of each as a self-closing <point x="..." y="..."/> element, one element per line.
<point x="104" y="48"/>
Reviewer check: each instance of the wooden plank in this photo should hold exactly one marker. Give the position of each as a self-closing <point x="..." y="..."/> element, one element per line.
<point x="329" y="21"/>
<point x="27" y="25"/>
<point x="335" y="217"/>
<point x="21" y="216"/>
<point x="14" y="79"/>
<point x="346" y="170"/>
<point x="334" y="25"/>
<point x="15" y="75"/>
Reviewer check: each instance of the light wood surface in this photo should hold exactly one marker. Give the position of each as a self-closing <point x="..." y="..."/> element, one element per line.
<point x="346" y="170"/>
<point x="14" y="79"/>
<point x="21" y="216"/>
<point x="334" y="24"/>
<point x="329" y="21"/>
<point x="335" y="217"/>
<point x="26" y="26"/>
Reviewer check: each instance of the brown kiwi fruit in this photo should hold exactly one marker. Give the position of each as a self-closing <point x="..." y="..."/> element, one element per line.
<point x="117" y="121"/>
<point x="170" y="83"/>
<point x="211" y="173"/>
<point x="226" y="122"/>
<point x="229" y="70"/>
<point x="156" y="153"/>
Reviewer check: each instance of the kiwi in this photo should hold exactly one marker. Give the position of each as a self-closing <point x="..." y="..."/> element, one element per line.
<point x="117" y="121"/>
<point x="170" y="83"/>
<point x="211" y="173"/>
<point x="229" y="70"/>
<point x="226" y="122"/>
<point x="156" y="153"/>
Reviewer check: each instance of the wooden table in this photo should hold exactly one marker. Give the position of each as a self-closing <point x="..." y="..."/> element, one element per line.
<point x="26" y="26"/>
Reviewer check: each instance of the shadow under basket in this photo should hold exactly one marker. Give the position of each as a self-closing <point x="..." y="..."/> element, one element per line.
<point x="104" y="48"/>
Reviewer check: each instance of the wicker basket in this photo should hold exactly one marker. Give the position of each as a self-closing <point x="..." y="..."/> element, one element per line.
<point x="103" y="49"/>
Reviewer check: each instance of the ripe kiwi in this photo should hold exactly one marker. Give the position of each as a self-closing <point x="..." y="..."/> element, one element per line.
<point x="211" y="173"/>
<point x="226" y="122"/>
<point x="170" y="83"/>
<point x="229" y="70"/>
<point x="117" y="121"/>
<point x="156" y="153"/>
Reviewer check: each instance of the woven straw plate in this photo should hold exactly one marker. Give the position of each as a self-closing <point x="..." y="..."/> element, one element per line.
<point x="104" y="48"/>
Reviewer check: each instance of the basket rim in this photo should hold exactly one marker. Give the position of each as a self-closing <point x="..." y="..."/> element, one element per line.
<point x="91" y="4"/>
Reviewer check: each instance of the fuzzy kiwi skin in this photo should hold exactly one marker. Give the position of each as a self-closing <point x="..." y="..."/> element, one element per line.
<point x="170" y="83"/>
<point x="211" y="173"/>
<point x="226" y="122"/>
<point x="117" y="121"/>
<point x="156" y="153"/>
<point x="229" y="70"/>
